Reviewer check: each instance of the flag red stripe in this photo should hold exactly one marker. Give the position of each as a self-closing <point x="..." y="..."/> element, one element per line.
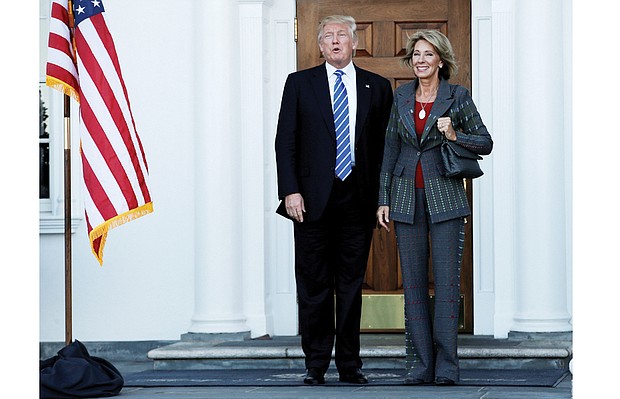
<point x="97" y="74"/>
<point x="61" y="74"/>
<point x="97" y="193"/>
<point x="88" y="225"/>
<point x="146" y="165"/>
<point x="96" y="243"/>
<point x="108" y="153"/>
<point x="59" y="43"/>
<point x="61" y="13"/>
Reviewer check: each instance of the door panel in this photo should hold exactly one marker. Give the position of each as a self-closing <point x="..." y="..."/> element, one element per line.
<point x="383" y="27"/>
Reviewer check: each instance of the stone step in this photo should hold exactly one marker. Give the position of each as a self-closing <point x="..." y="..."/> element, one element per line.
<point x="378" y="351"/>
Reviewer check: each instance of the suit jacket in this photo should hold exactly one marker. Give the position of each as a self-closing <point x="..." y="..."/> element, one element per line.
<point x="446" y="197"/>
<point x="306" y="139"/>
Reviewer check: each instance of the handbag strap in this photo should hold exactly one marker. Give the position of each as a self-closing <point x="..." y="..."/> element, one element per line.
<point x="452" y="91"/>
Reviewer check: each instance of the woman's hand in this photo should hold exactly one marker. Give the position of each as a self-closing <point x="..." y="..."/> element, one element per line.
<point x="383" y="216"/>
<point x="445" y="126"/>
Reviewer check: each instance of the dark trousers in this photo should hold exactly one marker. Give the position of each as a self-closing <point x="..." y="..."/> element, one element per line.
<point x="331" y="255"/>
<point x="431" y="347"/>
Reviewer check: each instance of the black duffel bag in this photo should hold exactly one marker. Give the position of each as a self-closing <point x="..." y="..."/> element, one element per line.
<point x="73" y="373"/>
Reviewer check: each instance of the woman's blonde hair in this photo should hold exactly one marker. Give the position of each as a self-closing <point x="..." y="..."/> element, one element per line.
<point x="441" y="44"/>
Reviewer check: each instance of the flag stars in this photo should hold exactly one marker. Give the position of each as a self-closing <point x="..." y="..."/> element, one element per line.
<point x="84" y="9"/>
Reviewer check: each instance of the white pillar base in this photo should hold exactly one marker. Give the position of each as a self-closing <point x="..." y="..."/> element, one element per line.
<point x="548" y="323"/>
<point x="229" y="324"/>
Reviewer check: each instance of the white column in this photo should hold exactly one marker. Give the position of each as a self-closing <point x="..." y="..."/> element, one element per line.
<point x="281" y="289"/>
<point x="498" y="285"/>
<point x="483" y="200"/>
<point x="256" y="141"/>
<point x="540" y="134"/>
<point x="218" y="289"/>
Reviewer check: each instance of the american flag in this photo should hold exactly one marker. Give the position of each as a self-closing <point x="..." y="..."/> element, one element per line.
<point x="82" y="62"/>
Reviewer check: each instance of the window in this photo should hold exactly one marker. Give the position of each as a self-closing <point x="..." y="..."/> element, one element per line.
<point x="44" y="150"/>
<point x="51" y="146"/>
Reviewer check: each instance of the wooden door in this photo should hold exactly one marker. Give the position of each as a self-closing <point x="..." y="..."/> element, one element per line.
<point x="383" y="27"/>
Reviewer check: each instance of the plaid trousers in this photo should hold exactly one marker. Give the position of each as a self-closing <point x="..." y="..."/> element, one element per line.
<point x="431" y="341"/>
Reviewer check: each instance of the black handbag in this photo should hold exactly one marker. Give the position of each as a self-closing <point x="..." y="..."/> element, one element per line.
<point x="459" y="162"/>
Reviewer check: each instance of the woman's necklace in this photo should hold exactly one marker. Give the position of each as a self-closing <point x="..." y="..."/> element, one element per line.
<point x="422" y="113"/>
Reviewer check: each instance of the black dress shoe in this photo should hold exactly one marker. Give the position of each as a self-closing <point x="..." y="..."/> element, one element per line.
<point x="443" y="381"/>
<point x="314" y="376"/>
<point x="414" y="381"/>
<point x="353" y="376"/>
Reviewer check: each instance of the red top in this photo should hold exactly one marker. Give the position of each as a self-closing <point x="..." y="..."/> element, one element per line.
<point x="419" y="129"/>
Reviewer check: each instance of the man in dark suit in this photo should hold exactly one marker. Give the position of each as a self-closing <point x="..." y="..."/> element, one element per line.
<point x="329" y="148"/>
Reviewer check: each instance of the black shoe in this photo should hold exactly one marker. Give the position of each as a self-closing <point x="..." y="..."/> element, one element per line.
<point x="353" y="376"/>
<point x="414" y="381"/>
<point x="314" y="376"/>
<point x="443" y="381"/>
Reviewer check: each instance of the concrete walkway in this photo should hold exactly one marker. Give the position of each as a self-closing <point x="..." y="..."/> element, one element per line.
<point x="383" y="351"/>
<point x="540" y="351"/>
<point x="562" y="391"/>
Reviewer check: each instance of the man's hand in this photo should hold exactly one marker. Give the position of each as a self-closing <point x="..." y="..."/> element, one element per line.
<point x="295" y="207"/>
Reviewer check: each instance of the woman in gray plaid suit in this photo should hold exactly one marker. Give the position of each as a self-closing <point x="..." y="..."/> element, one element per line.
<point x="427" y="208"/>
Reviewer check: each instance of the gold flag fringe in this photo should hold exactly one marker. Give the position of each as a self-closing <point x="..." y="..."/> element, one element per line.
<point x="61" y="86"/>
<point x="103" y="228"/>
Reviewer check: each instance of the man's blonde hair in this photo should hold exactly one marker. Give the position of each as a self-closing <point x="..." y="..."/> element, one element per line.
<point x="338" y="19"/>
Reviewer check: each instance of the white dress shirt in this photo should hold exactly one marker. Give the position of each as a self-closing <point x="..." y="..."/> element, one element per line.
<point x="349" y="80"/>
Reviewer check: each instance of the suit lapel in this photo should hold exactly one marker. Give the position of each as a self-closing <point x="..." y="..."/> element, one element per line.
<point x="364" y="94"/>
<point x="320" y="86"/>
<point x="406" y="106"/>
<point x="442" y="103"/>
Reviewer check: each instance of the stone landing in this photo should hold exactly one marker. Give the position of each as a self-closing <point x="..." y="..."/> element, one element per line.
<point x="379" y="351"/>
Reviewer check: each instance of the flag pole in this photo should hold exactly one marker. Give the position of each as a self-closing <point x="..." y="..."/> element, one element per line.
<point x="68" y="280"/>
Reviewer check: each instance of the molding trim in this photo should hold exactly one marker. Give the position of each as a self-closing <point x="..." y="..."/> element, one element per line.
<point x="56" y="224"/>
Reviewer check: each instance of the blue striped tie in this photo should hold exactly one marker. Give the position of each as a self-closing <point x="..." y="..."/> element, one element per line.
<point x="341" y="121"/>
